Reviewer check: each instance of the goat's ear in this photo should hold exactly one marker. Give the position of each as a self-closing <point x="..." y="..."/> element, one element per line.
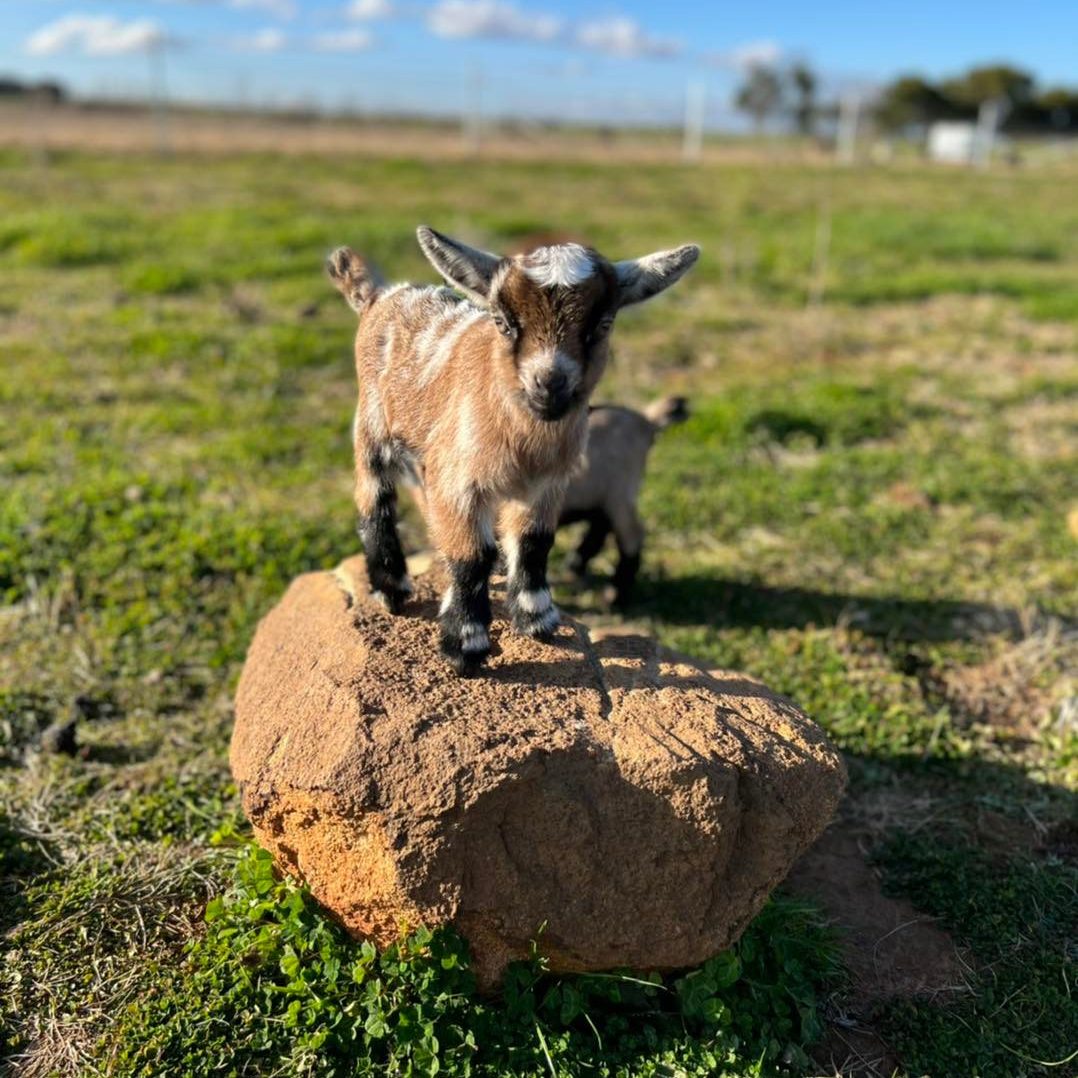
<point x="463" y="267"/>
<point x="642" y="278"/>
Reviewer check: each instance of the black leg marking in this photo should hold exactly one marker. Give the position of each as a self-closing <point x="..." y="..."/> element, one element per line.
<point x="591" y="544"/>
<point x="386" y="567"/>
<point x="625" y="577"/>
<point x="465" y="613"/>
<point x="534" y="614"/>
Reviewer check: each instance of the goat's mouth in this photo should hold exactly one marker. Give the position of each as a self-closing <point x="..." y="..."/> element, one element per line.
<point x="550" y="409"/>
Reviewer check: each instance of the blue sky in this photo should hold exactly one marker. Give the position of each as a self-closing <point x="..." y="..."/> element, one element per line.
<point x="615" y="59"/>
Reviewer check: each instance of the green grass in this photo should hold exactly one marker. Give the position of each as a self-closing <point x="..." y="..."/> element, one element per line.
<point x="1020" y="920"/>
<point x="274" y="983"/>
<point x="868" y="510"/>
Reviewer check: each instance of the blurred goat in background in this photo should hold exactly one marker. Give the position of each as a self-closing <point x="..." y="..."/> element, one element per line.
<point x="604" y="493"/>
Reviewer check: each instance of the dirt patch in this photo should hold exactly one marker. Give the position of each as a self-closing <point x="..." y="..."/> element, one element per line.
<point x="889" y="948"/>
<point x="1009" y="692"/>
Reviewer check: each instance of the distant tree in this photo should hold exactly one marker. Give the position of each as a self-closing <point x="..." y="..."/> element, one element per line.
<point x="1059" y="106"/>
<point x="982" y="84"/>
<point x="912" y="100"/>
<point x="760" y="95"/>
<point x="803" y="79"/>
<point x="52" y="92"/>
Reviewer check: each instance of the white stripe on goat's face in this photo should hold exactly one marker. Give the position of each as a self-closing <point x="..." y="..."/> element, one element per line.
<point x="559" y="267"/>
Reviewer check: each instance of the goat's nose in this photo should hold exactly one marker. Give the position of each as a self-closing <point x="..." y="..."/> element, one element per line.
<point x="555" y="384"/>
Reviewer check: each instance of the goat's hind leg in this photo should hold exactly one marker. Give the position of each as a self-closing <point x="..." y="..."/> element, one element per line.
<point x="629" y="533"/>
<point x="376" y="504"/>
<point x="591" y="543"/>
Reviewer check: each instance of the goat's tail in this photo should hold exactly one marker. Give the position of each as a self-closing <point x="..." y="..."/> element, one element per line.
<point x="356" y="279"/>
<point x="667" y="411"/>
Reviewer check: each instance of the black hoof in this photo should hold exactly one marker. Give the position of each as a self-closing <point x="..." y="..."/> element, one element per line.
<point x="392" y="594"/>
<point x="540" y="625"/>
<point x="466" y="653"/>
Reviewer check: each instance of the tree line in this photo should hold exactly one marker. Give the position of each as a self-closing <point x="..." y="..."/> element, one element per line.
<point x="911" y="101"/>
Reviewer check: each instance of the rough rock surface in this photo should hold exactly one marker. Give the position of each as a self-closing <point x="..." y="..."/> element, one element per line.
<point x="639" y="807"/>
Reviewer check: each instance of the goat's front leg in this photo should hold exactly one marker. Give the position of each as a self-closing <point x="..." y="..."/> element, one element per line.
<point x="527" y="534"/>
<point x="466" y="541"/>
<point x="376" y="504"/>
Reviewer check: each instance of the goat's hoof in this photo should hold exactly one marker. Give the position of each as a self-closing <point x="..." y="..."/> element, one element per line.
<point x="466" y="649"/>
<point x="538" y="624"/>
<point x="393" y="595"/>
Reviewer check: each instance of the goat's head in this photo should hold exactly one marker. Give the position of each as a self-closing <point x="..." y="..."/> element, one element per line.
<point x="554" y="308"/>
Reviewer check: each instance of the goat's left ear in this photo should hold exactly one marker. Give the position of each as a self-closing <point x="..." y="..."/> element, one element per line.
<point x="641" y="278"/>
<point x="464" y="267"/>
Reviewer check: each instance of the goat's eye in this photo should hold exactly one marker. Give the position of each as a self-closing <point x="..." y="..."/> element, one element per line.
<point x="601" y="329"/>
<point x="506" y="327"/>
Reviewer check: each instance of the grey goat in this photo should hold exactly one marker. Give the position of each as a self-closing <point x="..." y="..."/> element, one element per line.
<point x="604" y="492"/>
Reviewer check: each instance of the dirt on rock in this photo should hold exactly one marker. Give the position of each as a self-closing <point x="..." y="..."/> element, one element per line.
<point x="614" y="801"/>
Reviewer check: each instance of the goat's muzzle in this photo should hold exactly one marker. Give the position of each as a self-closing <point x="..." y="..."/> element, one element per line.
<point x="551" y="397"/>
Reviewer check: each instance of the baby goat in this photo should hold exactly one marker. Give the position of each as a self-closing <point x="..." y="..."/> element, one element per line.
<point x="604" y="492"/>
<point x="482" y="402"/>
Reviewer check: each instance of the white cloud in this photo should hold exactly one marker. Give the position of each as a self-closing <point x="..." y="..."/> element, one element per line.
<point x="279" y="9"/>
<point x="751" y="54"/>
<point x="365" y="10"/>
<point x="342" y="41"/>
<point x="491" y="19"/>
<point x="268" y="40"/>
<point x="622" y="36"/>
<point x="95" y="35"/>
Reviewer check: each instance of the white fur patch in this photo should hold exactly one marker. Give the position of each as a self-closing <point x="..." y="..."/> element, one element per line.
<point x="434" y="351"/>
<point x="535" y="602"/>
<point x="374" y="417"/>
<point x="565" y="265"/>
<point x="467" y="434"/>
<point x="473" y="637"/>
<point x="393" y="290"/>
<point x="447" y="600"/>
<point x="511" y="549"/>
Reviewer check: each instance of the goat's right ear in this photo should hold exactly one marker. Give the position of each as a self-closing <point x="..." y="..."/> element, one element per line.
<point x="642" y="278"/>
<point x="463" y="267"/>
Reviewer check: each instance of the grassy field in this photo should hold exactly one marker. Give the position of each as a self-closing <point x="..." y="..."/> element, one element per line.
<point x="874" y="508"/>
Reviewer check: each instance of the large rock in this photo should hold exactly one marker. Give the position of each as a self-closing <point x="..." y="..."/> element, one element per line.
<point x="637" y="806"/>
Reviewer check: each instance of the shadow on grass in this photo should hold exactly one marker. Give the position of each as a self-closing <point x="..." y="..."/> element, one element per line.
<point x="986" y="854"/>
<point x="697" y="599"/>
<point x="22" y="857"/>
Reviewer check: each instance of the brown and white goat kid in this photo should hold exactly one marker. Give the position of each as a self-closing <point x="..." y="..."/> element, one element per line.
<point x="482" y="402"/>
